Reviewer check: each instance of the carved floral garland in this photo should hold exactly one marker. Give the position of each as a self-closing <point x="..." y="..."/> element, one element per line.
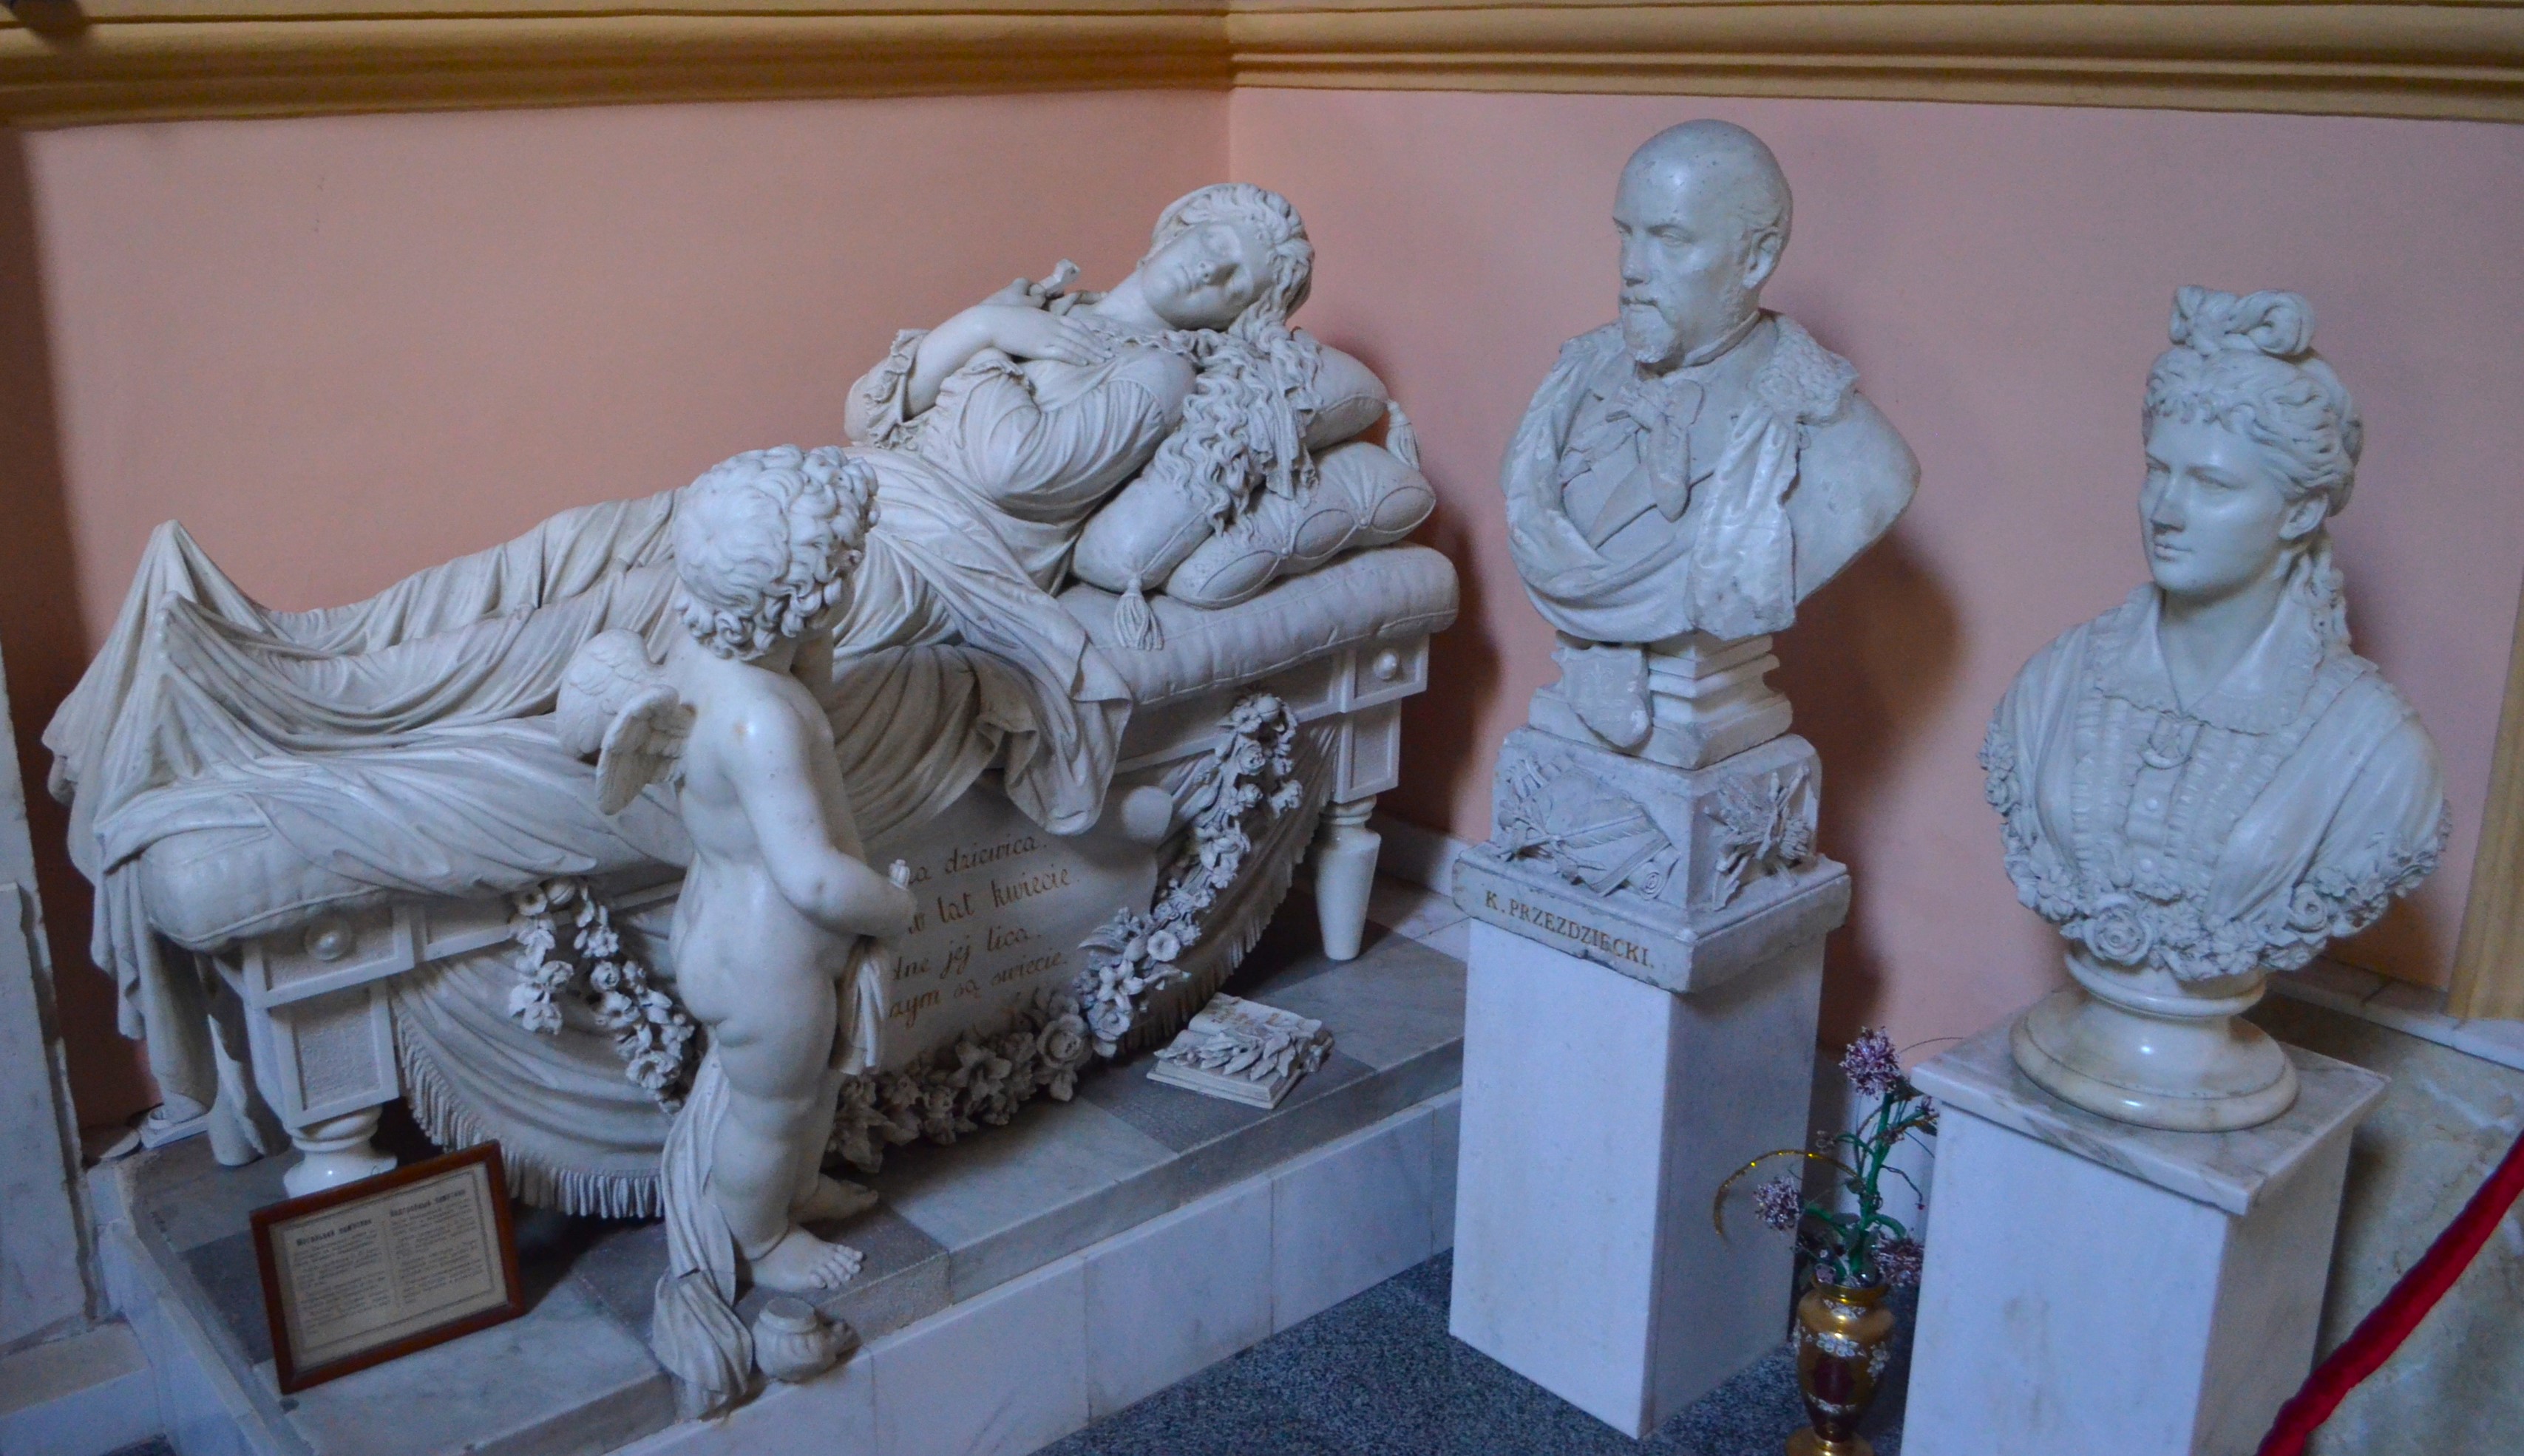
<point x="1133" y="955"/>
<point x="979" y="1080"/>
<point x="652" y="1032"/>
<point x="983" y="1079"/>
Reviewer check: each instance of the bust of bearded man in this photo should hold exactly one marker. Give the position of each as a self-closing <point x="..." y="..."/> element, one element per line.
<point x="1688" y="476"/>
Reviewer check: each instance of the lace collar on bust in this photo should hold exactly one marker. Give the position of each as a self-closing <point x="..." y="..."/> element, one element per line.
<point x="2263" y="693"/>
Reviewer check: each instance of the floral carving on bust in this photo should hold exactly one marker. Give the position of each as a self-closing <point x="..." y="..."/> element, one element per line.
<point x="2206" y="783"/>
<point x="1763" y="825"/>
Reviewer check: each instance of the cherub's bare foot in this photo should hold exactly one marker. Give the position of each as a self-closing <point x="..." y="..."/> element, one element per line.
<point x="803" y="1264"/>
<point x="832" y="1199"/>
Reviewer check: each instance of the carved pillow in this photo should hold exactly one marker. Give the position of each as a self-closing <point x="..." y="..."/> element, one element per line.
<point x="1348" y="400"/>
<point x="1148" y="528"/>
<point x="1363" y="497"/>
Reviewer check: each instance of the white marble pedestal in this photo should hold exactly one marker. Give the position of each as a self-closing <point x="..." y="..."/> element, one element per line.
<point x="1600" y="1114"/>
<point x="2098" y="1289"/>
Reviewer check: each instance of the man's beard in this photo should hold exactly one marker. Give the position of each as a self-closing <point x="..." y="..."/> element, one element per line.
<point x="1649" y="333"/>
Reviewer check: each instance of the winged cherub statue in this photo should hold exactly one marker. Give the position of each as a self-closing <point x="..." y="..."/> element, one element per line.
<point x="779" y="906"/>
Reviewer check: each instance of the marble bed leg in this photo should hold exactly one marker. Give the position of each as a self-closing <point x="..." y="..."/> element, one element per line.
<point x="337" y="1150"/>
<point x="1344" y="872"/>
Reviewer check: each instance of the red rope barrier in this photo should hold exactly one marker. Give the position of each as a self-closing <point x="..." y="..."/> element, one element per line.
<point x="2390" y="1323"/>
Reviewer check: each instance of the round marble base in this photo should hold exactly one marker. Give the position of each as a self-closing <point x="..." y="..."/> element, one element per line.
<point x="2199" y="1073"/>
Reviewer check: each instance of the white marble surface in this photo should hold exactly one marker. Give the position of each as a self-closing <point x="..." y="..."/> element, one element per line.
<point x="1599" y="1115"/>
<point x="455" y="1396"/>
<point x="1446" y="1144"/>
<point x="2417" y="1010"/>
<point x="1191" y="1289"/>
<point x="2074" y="1309"/>
<point x="1416" y="855"/>
<point x="2415" y="1160"/>
<point x="986" y="1203"/>
<point x="87" y="1394"/>
<point x="44" y="1262"/>
<point x="998" y="1375"/>
<point x="2231" y="1171"/>
<point x="1347" y="1210"/>
<point x="990" y="1374"/>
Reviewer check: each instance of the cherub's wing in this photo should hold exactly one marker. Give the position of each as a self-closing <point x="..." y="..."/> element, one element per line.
<point x="615" y="705"/>
<point x="644" y="745"/>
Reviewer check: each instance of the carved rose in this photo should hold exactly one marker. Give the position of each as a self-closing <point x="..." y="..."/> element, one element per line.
<point x="2308" y="912"/>
<point x="2118" y="933"/>
<point x="1063" y="1044"/>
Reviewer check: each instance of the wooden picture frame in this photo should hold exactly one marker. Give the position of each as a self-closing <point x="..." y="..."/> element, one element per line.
<point x="350" y="1273"/>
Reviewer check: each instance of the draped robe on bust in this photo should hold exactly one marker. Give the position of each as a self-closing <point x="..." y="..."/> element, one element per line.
<point x="233" y="769"/>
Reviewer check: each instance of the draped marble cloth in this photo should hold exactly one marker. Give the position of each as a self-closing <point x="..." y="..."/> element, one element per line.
<point x="1708" y="550"/>
<point x="233" y="770"/>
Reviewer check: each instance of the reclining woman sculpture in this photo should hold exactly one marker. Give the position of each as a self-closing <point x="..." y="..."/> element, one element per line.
<point x="233" y="770"/>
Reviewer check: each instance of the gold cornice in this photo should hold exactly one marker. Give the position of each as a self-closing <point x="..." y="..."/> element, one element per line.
<point x="2462" y="60"/>
<point x="125" y="60"/>
<point x="232" y="62"/>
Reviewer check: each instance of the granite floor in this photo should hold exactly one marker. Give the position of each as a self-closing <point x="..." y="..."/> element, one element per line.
<point x="1379" y="1376"/>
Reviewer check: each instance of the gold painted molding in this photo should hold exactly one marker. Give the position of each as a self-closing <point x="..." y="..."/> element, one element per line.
<point x="2462" y="59"/>
<point x="66" y="61"/>
<point x="2488" y="962"/>
<point x="132" y="60"/>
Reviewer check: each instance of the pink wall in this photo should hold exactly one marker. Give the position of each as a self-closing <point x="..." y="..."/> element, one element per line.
<point x="2001" y="276"/>
<point x="342" y="349"/>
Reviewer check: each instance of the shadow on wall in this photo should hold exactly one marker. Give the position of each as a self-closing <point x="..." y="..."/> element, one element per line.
<point x="1869" y="662"/>
<point x="46" y="646"/>
<point x="1442" y="747"/>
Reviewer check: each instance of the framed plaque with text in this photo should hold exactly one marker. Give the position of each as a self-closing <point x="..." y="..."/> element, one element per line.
<point x="362" y="1274"/>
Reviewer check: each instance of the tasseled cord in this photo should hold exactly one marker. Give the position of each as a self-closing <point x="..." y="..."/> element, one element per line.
<point x="1399" y="437"/>
<point x="1135" y="623"/>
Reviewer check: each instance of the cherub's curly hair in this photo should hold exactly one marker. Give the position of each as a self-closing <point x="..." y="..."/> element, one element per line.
<point x="2249" y="364"/>
<point x="765" y="543"/>
<point x="1244" y="424"/>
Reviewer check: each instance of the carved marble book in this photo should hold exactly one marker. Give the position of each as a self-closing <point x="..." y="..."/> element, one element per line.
<point x="1243" y="1052"/>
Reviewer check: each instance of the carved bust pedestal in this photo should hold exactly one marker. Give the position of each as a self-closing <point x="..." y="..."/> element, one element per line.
<point x="1647" y="966"/>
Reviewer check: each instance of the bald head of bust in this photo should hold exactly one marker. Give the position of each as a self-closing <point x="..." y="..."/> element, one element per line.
<point x="1703" y="214"/>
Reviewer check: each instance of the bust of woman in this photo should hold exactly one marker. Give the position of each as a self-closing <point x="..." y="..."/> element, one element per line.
<point x="2204" y="783"/>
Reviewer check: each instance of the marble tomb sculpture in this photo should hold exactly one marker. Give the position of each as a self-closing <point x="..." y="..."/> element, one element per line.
<point x="2205" y="784"/>
<point x="1129" y="626"/>
<point x="1652" y="892"/>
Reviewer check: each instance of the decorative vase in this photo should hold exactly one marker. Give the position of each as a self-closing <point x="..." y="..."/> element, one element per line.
<point x="792" y="1342"/>
<point x="1844" y="1337"/>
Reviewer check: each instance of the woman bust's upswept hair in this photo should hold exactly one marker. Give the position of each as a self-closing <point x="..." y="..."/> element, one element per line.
<point x="2249" y="364"/>
<point x="765" y="543"/>
<point x="1244" y="424"/>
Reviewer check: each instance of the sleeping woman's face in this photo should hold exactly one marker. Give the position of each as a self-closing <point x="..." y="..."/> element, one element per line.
<point x="1206" y="275"/>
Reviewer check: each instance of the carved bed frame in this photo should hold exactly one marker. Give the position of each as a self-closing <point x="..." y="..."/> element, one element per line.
<point x="319" y="1025"/>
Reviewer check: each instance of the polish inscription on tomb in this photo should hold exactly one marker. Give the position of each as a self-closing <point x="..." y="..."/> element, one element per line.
<point x="1003" y="903"/>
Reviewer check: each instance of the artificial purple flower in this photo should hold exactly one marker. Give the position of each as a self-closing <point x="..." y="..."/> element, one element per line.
<point x="1870" y="1064"/>
<point x="1779" y="1202"/>
<point x="1898" y="1261"/>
